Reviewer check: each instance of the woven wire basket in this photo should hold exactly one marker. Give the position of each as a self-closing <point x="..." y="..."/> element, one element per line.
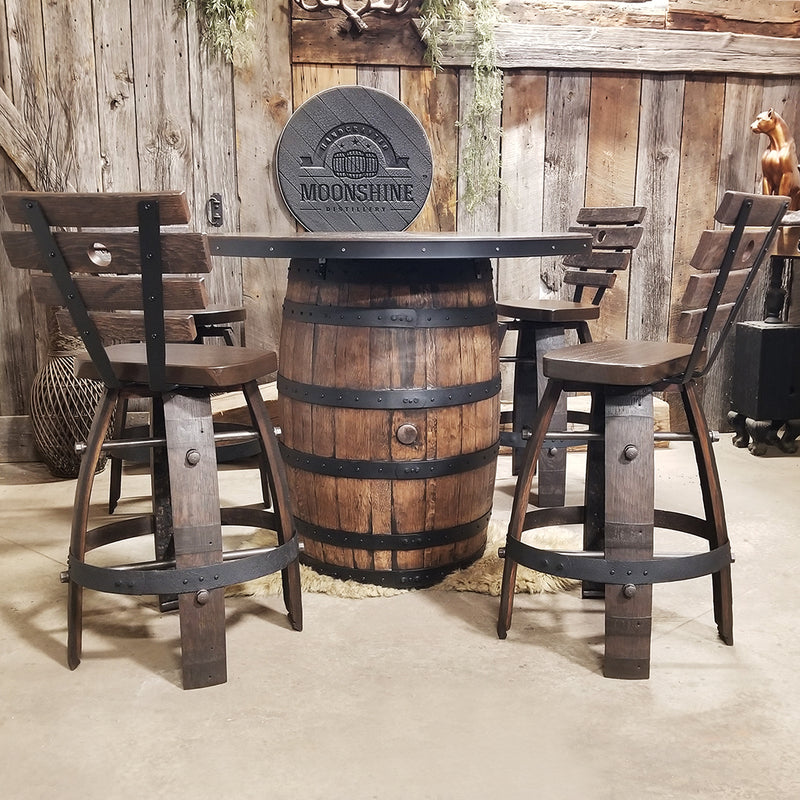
<point x="62" y="408"/>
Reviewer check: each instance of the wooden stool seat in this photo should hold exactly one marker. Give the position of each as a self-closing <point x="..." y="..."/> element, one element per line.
<point x="216" y="321"/>
<point x="548" y="311"/>
<point x="215" y="367"/>
<point x="541" y="325"/>
<point x="618" y="517"/>
<point x="130" y="286"/>
<point x="621" y="363"/>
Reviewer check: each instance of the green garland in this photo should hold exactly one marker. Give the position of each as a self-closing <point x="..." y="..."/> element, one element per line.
<point x="226" y="27"/>
<point x="480" y="158"/>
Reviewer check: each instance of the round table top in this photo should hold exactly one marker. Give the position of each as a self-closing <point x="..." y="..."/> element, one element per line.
<point x="398" y="245"/>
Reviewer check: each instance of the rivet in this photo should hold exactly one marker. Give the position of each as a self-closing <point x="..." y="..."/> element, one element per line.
<point x="192" y="457"/>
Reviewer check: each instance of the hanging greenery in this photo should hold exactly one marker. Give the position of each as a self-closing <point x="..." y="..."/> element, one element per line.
<point x="480" y="158"/>
<point x="226" y="27"/>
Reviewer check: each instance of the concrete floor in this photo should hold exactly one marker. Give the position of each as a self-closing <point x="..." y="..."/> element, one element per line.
<point x="413" y="696"/>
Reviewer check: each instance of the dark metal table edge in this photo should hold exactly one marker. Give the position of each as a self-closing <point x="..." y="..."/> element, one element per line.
<point x="394" y="245"/>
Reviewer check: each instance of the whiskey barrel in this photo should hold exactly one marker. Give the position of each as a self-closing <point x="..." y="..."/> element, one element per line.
<point x="389" y="394"/>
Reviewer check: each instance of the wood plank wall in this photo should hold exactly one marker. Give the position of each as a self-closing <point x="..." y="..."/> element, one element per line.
<point x="123" y="96"/>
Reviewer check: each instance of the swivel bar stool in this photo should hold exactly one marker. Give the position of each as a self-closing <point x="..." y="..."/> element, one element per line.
<point x="541" y="326"/>
<point x="618" y="515"/>
<point x="112" y="287"/>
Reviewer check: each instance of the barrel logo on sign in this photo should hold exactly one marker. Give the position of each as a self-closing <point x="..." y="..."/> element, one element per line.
<point x="353" y="158"/>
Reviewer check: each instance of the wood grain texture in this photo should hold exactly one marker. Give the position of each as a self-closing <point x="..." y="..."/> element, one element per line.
<point x="566" y="151"/>
<point x="698" y="188"/>
<point x="262" y="96"/>
<point x="213" y="151"/>
<point x="163" y="107"/>
<point x="637" y="49"/>
<point x="656" y="188"/>
<point x="433" y="99"/>
<point x="72" y="84"/>
<point x="113" y="48"/>
<point x="611" y="173"/>
<point x="628" y="534"/>
<point x="523" y="166"/>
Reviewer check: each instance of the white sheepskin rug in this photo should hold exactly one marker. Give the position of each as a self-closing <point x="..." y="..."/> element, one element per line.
<point x="484" y="576"/>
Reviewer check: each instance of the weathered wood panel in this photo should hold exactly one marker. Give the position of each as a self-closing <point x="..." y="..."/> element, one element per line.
<point x="611" y="174"/>
<point x="698" y="189"/>
<point x="113" y="49"/>
<point x="23" y="334"/>
<point x="637" y="13"/>
<point x="387" y="41"/>
<point x="566" y="148"/>
<point x="523" y="165"/>
<point x="262" y="91"/>
<point x="163" y="108"/>
<point x="656" y="188"/>
<point x="72" y="89"/>
<point x="767" y="18"/>
<point x="213" y="152"/>
<point x="638" y="49"/>
<point x="434" y="101"/>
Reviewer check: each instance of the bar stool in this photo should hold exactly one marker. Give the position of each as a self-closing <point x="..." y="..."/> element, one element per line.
<point x="112" y="287"/>
<point x="618" y="515"/>
<point x="542" y="323"/>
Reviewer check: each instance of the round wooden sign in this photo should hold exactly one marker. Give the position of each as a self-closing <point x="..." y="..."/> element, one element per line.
<point x="354" y="159"/>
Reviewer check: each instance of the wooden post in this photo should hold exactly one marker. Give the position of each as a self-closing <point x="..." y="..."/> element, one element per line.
<point x="198" y="534"/>
<point x="630" y="492"/>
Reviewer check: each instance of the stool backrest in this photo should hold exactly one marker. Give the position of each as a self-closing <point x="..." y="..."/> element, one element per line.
<point x="110" y="283"/>
<point x="616" y="231"/>
<point x="726" y="261"/>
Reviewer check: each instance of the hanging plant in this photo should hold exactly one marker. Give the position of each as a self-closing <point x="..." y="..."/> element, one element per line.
<point x="480" y="158"/>
<point x="226" y="27"/>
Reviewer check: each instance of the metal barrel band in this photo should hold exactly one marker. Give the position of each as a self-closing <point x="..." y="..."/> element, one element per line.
<point x="357" y="317"/>
<point x="411" y="271"/>
<point x="585" y="567"/>
<point x="388" y="470"/>
<point x="576" y="515"/>
<point x="406" y="579"/>
<point x="162" y="579"/>
<point x="392" y="541"/>
<point x="388" y="399"/>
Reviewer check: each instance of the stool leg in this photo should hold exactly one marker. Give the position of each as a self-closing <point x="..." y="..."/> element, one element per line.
<point x="80" y="519"/>
<point x="529" y="383"/>
<point x="191" y="455"/>
<point x="279" y="489"/>
<point x="595" y="493"/>
<point x="629" y="517"/>
<point x="714" y="509"/>
<point x="117" y="432"/>
<point x="163" y="543"/>
<point x="522" y="490"/>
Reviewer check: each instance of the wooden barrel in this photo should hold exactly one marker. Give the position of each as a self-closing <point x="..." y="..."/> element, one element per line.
<point x="389" y="393"/>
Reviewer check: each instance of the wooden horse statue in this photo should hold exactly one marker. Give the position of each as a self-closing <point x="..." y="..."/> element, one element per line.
<point x="779" y="161"/>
